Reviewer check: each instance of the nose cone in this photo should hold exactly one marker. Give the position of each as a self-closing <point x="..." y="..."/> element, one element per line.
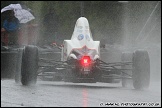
<point x="82" y="30"/>
<point x="82" y="22"/>
<point x="81" y="42"/>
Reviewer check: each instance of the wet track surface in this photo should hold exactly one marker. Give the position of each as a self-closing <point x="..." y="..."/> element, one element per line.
<point x="65" y="94"/>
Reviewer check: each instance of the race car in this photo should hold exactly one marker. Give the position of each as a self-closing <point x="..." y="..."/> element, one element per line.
<point x="80" y="62"/>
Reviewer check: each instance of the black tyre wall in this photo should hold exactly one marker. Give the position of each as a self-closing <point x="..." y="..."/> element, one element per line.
<point x="141" y="69"/>
<point x="29" y="65"/>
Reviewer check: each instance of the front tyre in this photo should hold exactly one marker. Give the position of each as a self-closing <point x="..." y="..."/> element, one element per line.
<point x="29" y="65"/>
<point x="141" y="69"/>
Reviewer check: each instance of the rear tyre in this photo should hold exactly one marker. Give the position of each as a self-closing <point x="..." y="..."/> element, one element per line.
<point x="18" y="66"/>
<point x="29" y="65"/>
<point x="141" y="69"/>
<point x="126" y="74"/>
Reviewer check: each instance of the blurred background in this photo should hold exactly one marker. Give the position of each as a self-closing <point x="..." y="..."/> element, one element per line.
<point x="110" y="21"/>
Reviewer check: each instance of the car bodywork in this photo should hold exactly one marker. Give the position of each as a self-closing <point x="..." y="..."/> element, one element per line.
<point x="80" y="56"/>
<point x="81" y="62"/>
<point x="81" y="42"/>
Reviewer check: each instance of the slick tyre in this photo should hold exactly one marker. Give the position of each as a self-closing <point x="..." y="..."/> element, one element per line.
<point x="29" y="65"/>
<point x="141" y="69"/>
<point x="126" y="74"/>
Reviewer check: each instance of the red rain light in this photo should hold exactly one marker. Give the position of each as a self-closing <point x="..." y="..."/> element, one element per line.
<point x="85" y="60"/>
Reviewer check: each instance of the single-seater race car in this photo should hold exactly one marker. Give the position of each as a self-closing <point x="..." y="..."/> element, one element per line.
<point x="81" y="62"/>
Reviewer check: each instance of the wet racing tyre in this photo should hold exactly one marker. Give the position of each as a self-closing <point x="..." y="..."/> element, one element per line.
<point x="29" y="65"/>
<point x="141" y="69"/>
<point x="126" y="74"/>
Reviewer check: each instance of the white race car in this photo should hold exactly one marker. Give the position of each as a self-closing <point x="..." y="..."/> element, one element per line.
<point x="81" y="63"/>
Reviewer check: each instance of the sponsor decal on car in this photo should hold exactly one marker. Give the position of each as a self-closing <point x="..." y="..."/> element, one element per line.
<point x="87" y="37"/>
<point x="80" y="36"/>
<point x="79" y="31"/>
<point x="79" y="27"/>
